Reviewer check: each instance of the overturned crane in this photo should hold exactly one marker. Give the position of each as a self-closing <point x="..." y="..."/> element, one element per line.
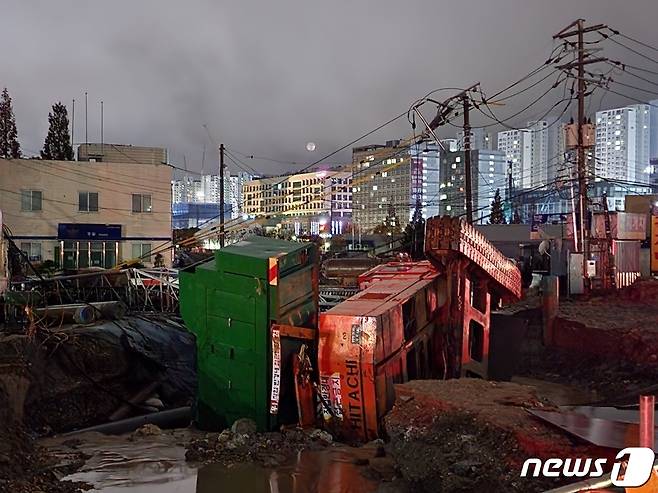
<point x="264" y="353"/>
<point x="413" y="320"/>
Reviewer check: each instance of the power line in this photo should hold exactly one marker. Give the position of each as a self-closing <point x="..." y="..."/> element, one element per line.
<point x="633" y="39"/>
<point x="95" y="178"/>
<point x="270" y="159"/>
<point x="630" y="86"/>
<point x="624" y="69"/>
<point x="639" y="53"/>
<point x="623" y="95"/>
<point x="502" y="122"/>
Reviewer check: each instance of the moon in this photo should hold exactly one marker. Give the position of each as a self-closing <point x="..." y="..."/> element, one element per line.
<point x="310" y="147"/>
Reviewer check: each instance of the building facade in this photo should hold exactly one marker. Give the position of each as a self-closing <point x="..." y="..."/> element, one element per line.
<point x="488" y="174"/>
<point x="516" y="145"/>
<point x="382" y="185"/>
<point x="624" y="143"/>
<point x="86" y="214"/>
<point x="537" y="153"/>
<point x="314" y="202"/>
<point x="195" y="197"/>
<point x="559" y="203"/>
<point x="480" y="139"/>
<point x="426" y="180"/>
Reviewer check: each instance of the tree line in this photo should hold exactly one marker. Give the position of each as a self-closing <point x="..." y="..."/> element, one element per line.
<point x="57" y="145"/>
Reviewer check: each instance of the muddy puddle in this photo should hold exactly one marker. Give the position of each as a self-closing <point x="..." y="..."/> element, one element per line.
<point x="149" y="464"/>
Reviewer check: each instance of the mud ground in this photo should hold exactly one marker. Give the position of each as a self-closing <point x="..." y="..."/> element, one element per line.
<point x="266" y="449"/>
<point x="472" y="435"/>
<point x="28" y="468"/>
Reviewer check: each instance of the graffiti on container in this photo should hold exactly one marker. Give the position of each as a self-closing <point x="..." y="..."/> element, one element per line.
<point x="356" y="334"/>
<point x="330" y="391"/>
<point x="337" y="397"/>
<point x="276" y="371"/>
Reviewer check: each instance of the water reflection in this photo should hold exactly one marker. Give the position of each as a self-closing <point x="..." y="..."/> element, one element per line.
<point x="156" y="464"/>
<point x="327" y="471"/>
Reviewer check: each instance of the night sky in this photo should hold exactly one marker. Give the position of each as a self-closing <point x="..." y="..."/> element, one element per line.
<point x="266" y="77"/>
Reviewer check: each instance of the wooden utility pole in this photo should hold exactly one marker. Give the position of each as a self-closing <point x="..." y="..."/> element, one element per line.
<point x="468" y="186"/>
<point x="221" y="195"/>
<point x="577" y="29"/>
<point x="582" y="165"/>
<point x="509" y="190"/>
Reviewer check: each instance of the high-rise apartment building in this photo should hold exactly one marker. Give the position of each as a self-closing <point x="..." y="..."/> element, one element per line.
<point x="381" y="184"/>
<point x="624" y="143"/>
<point x="516" y="145"/>
<point x="480" y="139"/>
<point x="536" y="153"/>
<point x="488" y="174"/>
<point x="204" y="191"/>
<point x="400" y="180"/>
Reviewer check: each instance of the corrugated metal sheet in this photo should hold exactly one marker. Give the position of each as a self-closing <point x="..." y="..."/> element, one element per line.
<point x="623" y="226"/>
<point x="627" y="261"/>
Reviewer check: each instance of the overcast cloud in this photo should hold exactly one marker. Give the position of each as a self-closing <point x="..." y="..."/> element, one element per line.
<point x="268" y="76"/>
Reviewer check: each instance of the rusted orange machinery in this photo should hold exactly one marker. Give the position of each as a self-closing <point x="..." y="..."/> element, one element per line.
<point x="412" y="320"/>
<point x="478" y="278"/>
<point x="381" y="336"/>
<point x="396" y="271"/>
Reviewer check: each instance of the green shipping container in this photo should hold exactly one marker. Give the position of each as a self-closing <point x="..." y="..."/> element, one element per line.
<point x="230" y="303"/>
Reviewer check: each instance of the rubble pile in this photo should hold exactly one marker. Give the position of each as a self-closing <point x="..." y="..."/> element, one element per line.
<point x="471" y="435"/>
<point x="242" y="443"/>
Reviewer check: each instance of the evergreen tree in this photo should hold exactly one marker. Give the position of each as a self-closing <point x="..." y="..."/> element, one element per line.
<point x="9" y="146"/>
<point x="497" y="216"/>
<point x="391" y="224"/>
<point x="58" y="141"/>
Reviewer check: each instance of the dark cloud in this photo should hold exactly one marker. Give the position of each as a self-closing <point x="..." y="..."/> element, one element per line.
<point x="267" y="77"/>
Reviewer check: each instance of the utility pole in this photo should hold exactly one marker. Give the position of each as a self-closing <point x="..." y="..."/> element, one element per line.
<point x="468" y="188"/>
<point x="582" y="176"/>
<point x="509" y="191"/>
<point x="86" y="126"/>
<point x="577" y="29"/>
<point x="444" y="109"/>
<point x="221" y="195"/>
<point x="102" y="136"/>
<point x="73" y="122"/>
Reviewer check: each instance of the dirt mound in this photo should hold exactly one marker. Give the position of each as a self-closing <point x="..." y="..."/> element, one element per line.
<point x="611" y="379"/>
<point x="25" y="468"/>
<point x="642" y="290"/>
<point x="267" y="449"/>
<point x="471" y="435"/>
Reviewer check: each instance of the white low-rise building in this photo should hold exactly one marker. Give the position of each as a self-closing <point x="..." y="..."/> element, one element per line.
<point x="86" y="214"/>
